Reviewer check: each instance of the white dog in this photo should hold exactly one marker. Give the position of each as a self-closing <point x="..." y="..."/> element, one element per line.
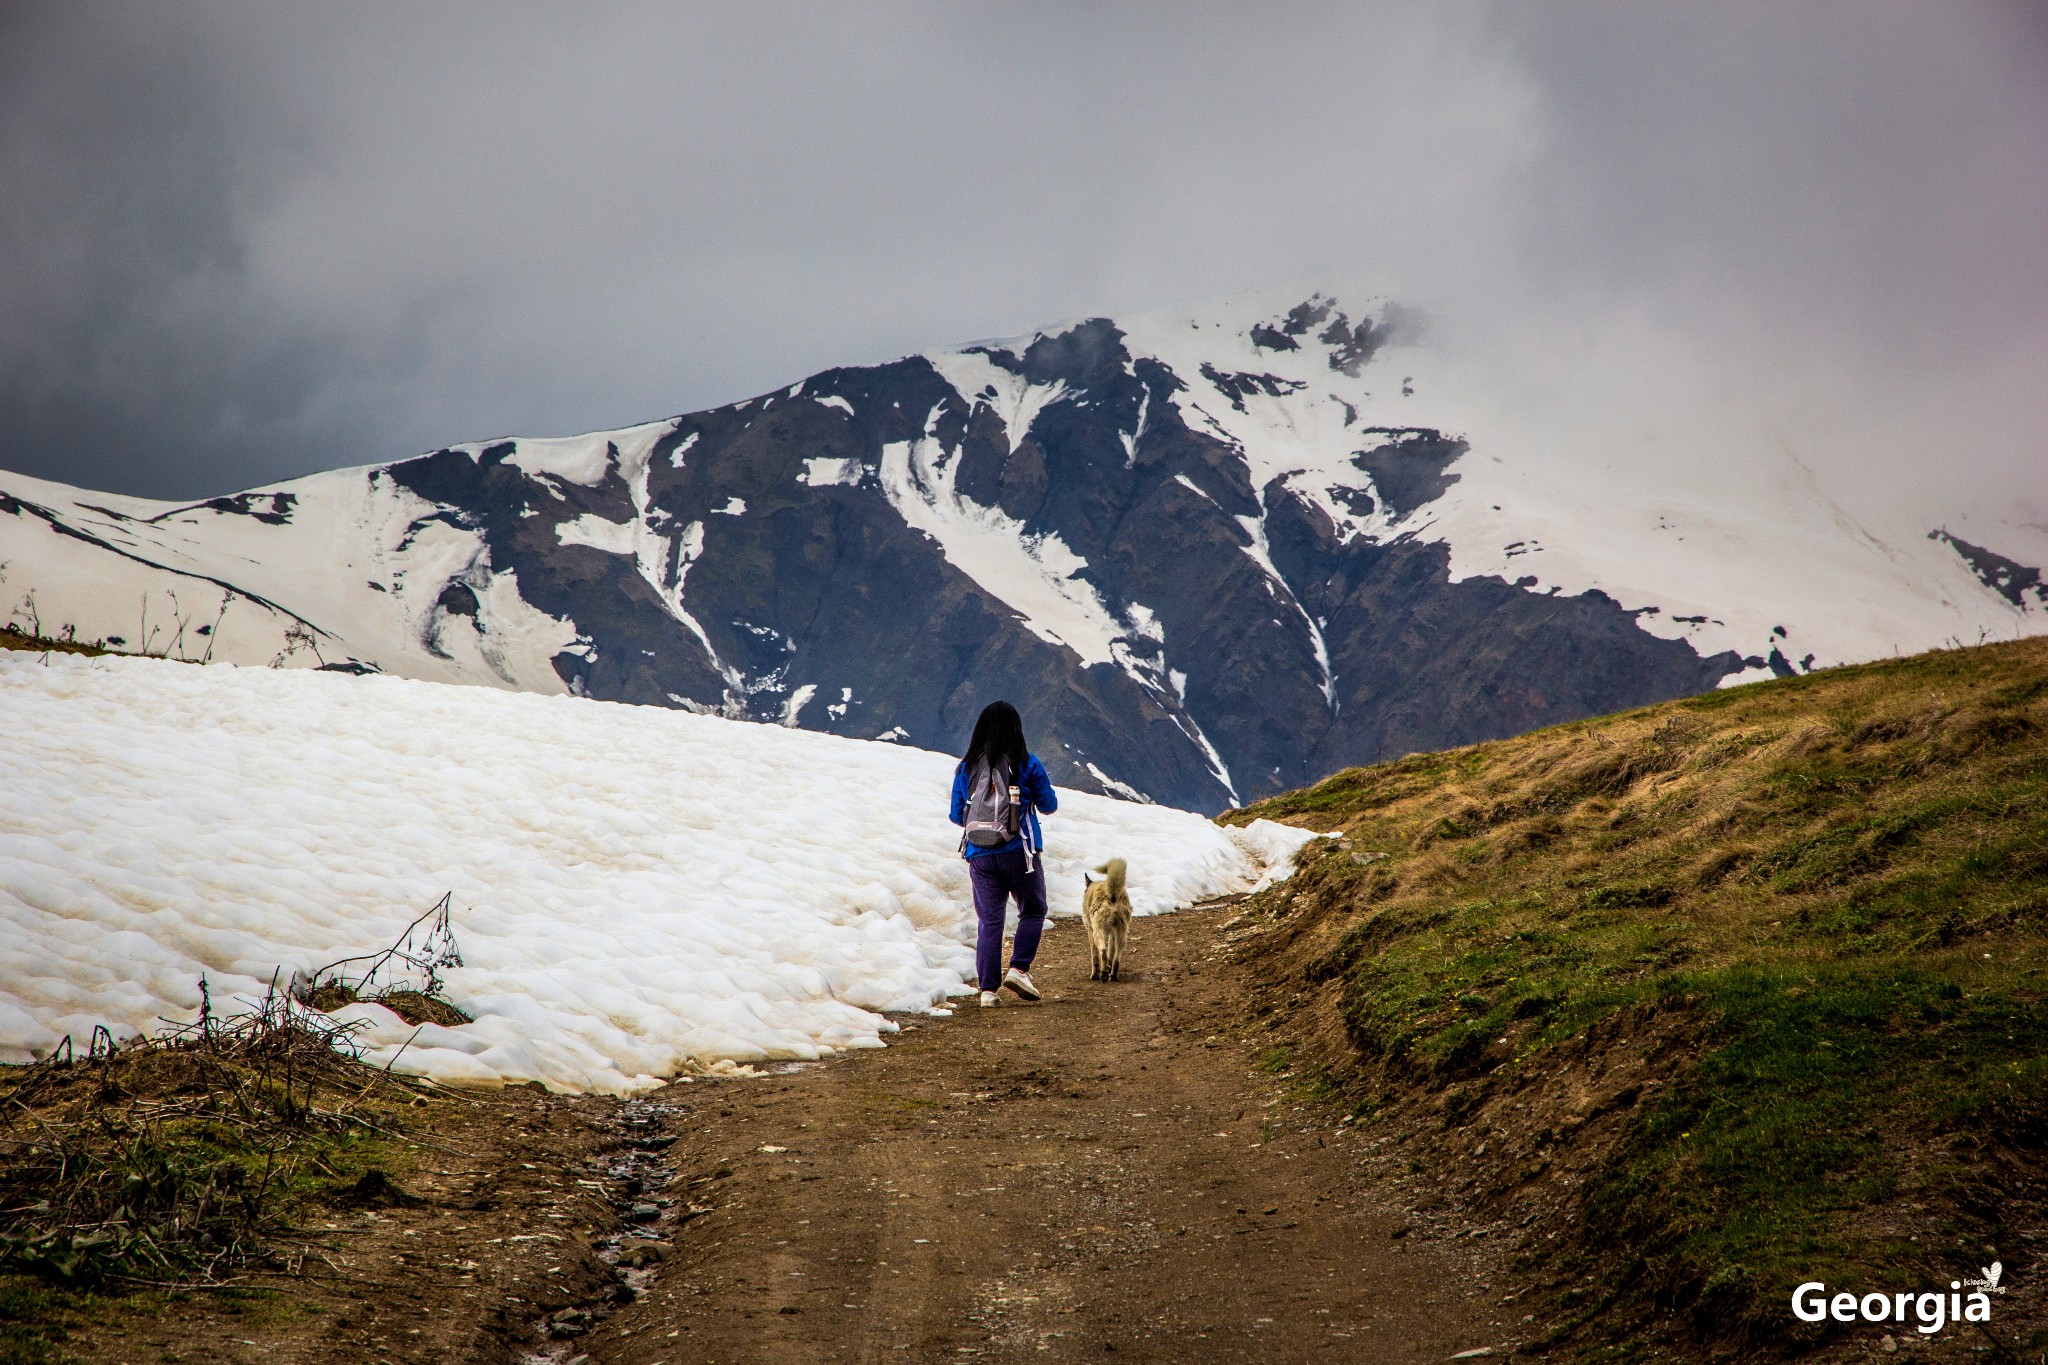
<point x="1106" y="910"/>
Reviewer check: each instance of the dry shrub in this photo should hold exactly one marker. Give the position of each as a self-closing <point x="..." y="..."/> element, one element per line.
<point x="1538" y="832"/>
<point x="1718" y="865"/>
<point x="1815" y="740"/>
<point x="1611" y="769"/>
<point x="167" y="1159"/>
<point x="1889" y="729"/>
<point x="1975" y="728"/>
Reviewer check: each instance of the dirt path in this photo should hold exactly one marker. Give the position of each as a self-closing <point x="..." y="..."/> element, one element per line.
<point x="1106" y="1174"/>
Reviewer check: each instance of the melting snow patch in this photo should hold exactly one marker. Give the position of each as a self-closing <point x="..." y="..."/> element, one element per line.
<point x="640" y="892"/>
<point x="793" y="709"/>
<point x="1015" y="400"/>
<point x="587" y="459"/>
<point x="1116" y="788"/>
<point x="1271" y="847"/>
<point x="821" y="472"/>
<point x="613" y="537"/>
<point x="580" y="460"/>
<point x="735" y="506"/>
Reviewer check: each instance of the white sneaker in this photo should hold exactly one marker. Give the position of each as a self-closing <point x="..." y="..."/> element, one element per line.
<point x="1022" y="983"/>
<point x="990" y="998"/>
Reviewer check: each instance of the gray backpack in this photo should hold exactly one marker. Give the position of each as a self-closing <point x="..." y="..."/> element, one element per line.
<point x="995" y="811"/>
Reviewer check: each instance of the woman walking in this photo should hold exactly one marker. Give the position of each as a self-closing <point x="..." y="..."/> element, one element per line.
<point x="998" y="791"/>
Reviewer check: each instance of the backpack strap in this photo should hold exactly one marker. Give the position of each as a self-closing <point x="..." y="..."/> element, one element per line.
<point x="1024" y="829"/>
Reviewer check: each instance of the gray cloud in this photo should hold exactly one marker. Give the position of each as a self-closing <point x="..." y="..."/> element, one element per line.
<point x="241" y="242"/>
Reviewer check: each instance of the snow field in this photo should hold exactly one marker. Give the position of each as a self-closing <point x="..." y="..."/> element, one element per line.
<point x="638" y="892"/>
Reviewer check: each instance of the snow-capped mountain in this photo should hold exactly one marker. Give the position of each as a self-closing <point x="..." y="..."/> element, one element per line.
<point x="1211" y="555"/>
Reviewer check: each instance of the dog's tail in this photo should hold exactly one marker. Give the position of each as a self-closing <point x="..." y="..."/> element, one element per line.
<point x="1113" y="873"/>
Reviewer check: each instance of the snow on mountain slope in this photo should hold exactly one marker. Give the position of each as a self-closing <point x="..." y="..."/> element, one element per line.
<point x="1037" y="575"/>
<point x="333" y="569"/>
<point x="1212" y="554"/>
<point x="1764" y="560"/>
<point x="639" y="892"/>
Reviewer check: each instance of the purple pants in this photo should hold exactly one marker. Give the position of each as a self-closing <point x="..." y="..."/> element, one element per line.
<point x="996" y="878"/>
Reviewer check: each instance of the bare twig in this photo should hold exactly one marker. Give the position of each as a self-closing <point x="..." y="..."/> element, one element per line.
<point x="401" y="1050"/>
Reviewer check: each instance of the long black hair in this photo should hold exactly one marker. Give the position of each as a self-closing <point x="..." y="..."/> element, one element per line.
<point x="998" y="737"/>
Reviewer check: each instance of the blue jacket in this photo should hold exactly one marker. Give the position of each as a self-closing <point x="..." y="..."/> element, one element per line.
<point x="1035" y="788"/>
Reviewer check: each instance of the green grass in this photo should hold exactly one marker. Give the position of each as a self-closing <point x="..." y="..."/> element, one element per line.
<point x="34" y="1320"/>
<point x="1833" y="888"/>
<point x="1742" y="1178"/>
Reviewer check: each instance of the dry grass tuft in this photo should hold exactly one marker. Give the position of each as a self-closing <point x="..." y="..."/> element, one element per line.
<point x="173" y="1159"/>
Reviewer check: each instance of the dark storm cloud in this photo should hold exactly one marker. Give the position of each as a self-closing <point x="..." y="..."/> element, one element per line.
<point x="240" y="242"/>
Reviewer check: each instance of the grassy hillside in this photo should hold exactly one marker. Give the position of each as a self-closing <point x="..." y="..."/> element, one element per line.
<point x="1704" y="1000"/>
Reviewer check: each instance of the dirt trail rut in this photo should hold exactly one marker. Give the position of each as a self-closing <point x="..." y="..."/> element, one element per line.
<point x="1105" y="1173"/>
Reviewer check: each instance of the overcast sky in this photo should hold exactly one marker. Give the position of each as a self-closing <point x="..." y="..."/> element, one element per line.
<point x="241" y="242"/>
